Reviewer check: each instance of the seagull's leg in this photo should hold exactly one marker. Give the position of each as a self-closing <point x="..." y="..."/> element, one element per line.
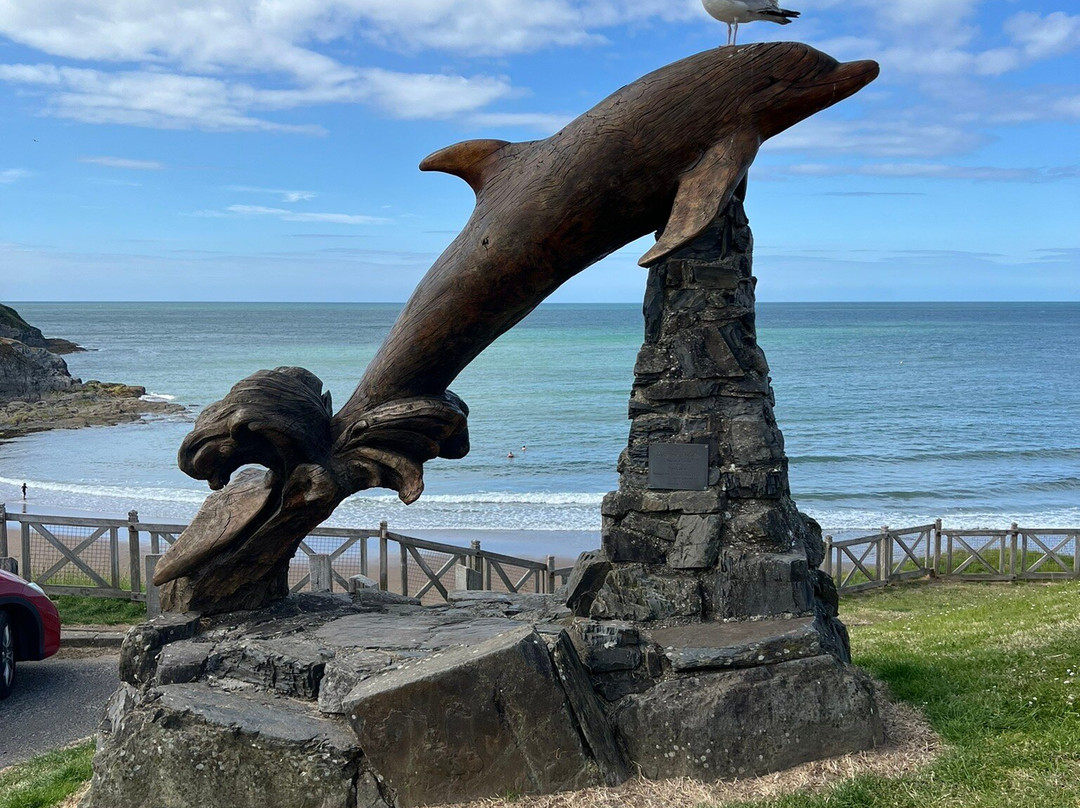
<point x="734" y="38"/>
<point x="729" y="33"/>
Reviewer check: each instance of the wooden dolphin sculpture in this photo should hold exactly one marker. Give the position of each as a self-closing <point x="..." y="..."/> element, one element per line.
<point x="664" y="153"/>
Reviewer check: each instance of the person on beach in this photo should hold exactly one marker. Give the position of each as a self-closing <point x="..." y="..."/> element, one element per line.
<point x="24" y="492"/>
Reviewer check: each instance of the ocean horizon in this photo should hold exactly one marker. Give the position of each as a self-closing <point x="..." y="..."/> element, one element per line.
<point x="893" y="413"/>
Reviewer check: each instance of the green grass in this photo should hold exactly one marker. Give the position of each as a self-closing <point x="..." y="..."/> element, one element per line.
<point x="47" y="780"/>
<point x="996" y="670"/>
<point x="77" y="611"/>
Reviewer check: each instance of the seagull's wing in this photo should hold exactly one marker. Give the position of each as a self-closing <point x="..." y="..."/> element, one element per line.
<point x="770" y="10"/>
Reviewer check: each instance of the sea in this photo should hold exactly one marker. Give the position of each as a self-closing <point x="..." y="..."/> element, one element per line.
<point x="893" y="413"/>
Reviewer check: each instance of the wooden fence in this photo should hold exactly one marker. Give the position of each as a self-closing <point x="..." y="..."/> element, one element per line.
<point x="68" y="555"/>
<point x="108" y="558"/>
<point x="1016" y="554"/>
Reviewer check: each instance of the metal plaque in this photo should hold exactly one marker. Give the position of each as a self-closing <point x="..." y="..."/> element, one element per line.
<point x="679" y="466"/>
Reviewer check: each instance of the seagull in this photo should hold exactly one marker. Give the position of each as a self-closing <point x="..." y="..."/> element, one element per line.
<point x="735" y="11"/>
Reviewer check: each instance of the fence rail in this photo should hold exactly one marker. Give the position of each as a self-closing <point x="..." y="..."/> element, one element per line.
<point x="68" y="555"/>
<point x="108" y="558"/>
<point x="891" y="555"/>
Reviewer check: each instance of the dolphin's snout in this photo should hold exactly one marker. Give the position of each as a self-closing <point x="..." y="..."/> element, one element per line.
<point x="857" y="74"/>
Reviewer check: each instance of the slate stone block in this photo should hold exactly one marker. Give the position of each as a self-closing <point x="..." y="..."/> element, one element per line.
<point x="472" y="723"/>
<point x="189" y="745"/>
<point x="697" y="542"/>
<point x="718" y="646"/>
<point x="749" y="722"/>
<point x="631" y="593"/>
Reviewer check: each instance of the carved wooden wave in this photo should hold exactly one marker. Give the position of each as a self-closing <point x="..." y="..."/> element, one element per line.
<point x="662" y="154"/>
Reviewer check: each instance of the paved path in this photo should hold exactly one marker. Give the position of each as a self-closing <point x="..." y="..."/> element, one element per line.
<point x="56" y="702"/>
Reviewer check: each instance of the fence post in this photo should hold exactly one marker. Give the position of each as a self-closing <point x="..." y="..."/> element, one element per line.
<point x="477" y="561"/>
<point x="937" y="548"/>
<point x="27" y="569"/>
<point x="404" y="569"/>
<point x="114" y="557"/>
<point x="1014" y="536"/>
<point x="3" y="530"/>
<point x="134" y="553"/>
<point x="948" y="555"/>
<point x="384" y="565"/>
<point x="363" y="557"/>
<point x="549" y="587"/>
<point x="882" y="559"/>
<point x="153" y="595"/>
<point x="1076" y="554"/>
<point x="322" y="575"/>
<point x="465" y="577"/>
<point x="828" y="556"/>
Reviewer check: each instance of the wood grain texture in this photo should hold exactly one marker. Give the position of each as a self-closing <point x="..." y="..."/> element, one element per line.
<point x="663" y="154"/>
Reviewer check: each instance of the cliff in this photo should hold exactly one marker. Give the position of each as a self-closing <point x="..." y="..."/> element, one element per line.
<point x="29" y="372"/>
<point x="37" y="392"/>
<point x="14" y="327"/>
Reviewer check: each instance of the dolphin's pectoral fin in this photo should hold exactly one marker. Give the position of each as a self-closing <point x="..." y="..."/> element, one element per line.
<point x="388" y="445"/>
<point x="703" y="192"/>
<point x="235" y="554"/>
<point x="472" y="160"/>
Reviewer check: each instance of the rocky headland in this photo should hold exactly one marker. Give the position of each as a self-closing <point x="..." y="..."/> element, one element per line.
<point x="38" y="392"/>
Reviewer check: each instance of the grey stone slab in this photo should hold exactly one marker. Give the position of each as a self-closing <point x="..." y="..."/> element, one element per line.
<point x="344" y="672"/>
<point x="586" y="579"/>
<point x="750" y="721"/>
<point x="381" y="631"/>
<point x="142" y="645"/>
<point x="630" y="592"/>
<point x="713" y="646"/>
<point x="182" y="662"/>
<point x="590" y="717"/>
<point x="470" y="633"/>
<point x="189" y="745"/>
<point x="375" y="598"/>
<point x="472" y="722"/>
<point x="761" y="585"/>
<point x="606" y="646"/>
<point x="697" y="542"/>
<point x="291" y="666"/>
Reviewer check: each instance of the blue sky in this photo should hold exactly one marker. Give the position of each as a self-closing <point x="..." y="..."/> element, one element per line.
<point x="268" y="149"/>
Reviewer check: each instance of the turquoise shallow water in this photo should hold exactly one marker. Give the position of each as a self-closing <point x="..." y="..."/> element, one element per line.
<point x="892" y="413"/>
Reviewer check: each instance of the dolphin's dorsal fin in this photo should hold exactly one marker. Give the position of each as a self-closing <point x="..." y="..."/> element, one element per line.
<point x="471" y="160"/>
<point x="703" y="192"/>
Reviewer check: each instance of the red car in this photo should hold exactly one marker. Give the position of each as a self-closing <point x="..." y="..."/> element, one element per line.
<point x="29" y="627"/>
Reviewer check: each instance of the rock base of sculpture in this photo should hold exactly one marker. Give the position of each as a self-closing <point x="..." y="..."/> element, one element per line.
<point x="377" y="702"/>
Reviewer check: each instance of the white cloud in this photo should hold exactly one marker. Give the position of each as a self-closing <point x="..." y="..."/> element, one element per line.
<point x="881" y="138"/>
<point x="280" y="35"/>
<point x="293" y="216"/>
<point x="174" y="101"/>
<point x="286" y="196"/>
<point x="929" y="171"/>
<point x="123" y="162"/>
<point x="547" y="123"/>
<point x="183" y="63"/>
<point x="10" y="175"/>
<point x="1044" y="37"/>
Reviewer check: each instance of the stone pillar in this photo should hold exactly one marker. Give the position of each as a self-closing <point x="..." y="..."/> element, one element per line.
<point x="729" y="544"/>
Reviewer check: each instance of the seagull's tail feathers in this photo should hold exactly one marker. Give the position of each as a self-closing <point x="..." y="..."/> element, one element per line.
<point x="780" y="16"/>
